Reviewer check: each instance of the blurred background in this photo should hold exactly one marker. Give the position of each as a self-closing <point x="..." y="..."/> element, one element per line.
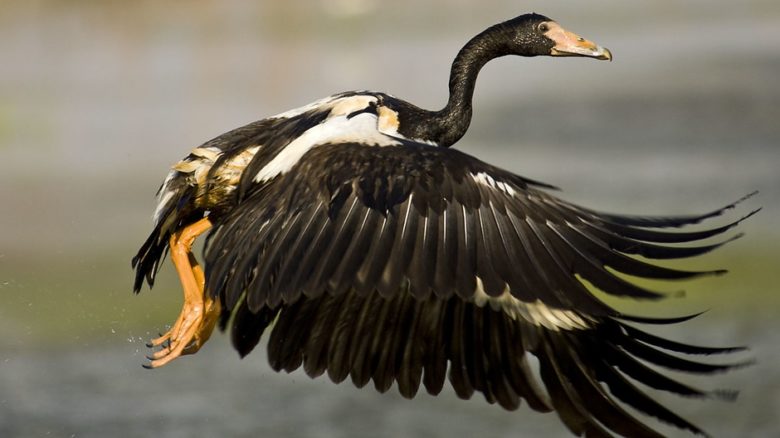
<point x="98" y="99"/>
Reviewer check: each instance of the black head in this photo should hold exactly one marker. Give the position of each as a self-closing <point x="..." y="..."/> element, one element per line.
<point x="537" y="35"/>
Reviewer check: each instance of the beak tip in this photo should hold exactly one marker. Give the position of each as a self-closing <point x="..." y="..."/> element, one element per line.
<point x="604" y="54"/>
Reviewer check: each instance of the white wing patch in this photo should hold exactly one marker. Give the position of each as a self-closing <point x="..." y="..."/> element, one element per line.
<point x="487" y="180"/>
<point x="322" y="103"/>
<point x="337" y="104"/>
<point x="536" y="313"/>
<point x="350" y="104"/>
<point x="361" y="128"/>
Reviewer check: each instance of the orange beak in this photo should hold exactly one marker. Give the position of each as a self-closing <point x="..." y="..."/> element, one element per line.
<point x="570" y="44"/>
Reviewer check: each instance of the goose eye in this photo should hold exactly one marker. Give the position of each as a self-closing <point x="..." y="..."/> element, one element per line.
<point x="543" y="28"/>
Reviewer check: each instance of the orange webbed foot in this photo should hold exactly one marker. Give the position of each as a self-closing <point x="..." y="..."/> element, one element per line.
<point x="200" y="311"/>
<point x="197" y="322"/>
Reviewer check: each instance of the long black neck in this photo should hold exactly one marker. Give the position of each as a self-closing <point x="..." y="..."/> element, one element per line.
<point x="448" y="125"/>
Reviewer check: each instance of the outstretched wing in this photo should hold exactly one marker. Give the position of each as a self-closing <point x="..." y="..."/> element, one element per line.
<point x="384" y="262"/>
<point x="350" y="217"/>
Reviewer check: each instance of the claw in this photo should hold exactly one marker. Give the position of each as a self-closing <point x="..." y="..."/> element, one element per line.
<point x="157" y="342"/>
<point x="157" y="355"/>
<point x="154" y="342"/>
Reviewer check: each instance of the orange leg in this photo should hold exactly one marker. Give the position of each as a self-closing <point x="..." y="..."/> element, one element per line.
<point x="199" y="313"/>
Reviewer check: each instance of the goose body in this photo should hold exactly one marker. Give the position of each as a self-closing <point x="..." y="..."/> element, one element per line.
<point x="381" y="254"/>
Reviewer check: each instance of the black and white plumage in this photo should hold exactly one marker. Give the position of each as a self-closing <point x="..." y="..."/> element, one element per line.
<point x="372" y="251"/>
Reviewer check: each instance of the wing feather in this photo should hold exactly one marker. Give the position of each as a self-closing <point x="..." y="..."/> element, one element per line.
<point x="243" y="269"/>
<point x="384" y="229"/>
<point x="488" y="252"/>
<point x="496" y="359"/>
<point x="410" y="368"/>
<point x="401" y="251"/>
<point x="447" y="250"/>
<point x="459" y="362"/>
<point x="592" y="269"/>
<point x="498" y="243"/>
<point x="627" y="265"/>
<point x="267" y="262"/>
<point x="599" y="403"/>
<point x="416" y="265"/>
<point x="565" y="399"/>
<point x="422" y="265"/>
<point x="307" y="264"/>
<point x="376" y="259"/>
<point x="295" y="252"/>
<point x="360" y="353"/>
<point x="338" y="351"/>
<point x="436" y="328"/>
<point x="465" y="281"/>
<point x="328" y="260"/>
<point x="352" y="259"/>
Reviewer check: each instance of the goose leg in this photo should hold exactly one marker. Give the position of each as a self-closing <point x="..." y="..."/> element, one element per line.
<point x="199" y="313"/>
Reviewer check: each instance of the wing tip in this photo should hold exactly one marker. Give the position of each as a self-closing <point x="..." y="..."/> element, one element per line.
<point x="658" y="320"/>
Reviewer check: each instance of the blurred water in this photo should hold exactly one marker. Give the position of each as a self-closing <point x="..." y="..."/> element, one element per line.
<point x="97" y="99"/>
<point x="99" y="392"/>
